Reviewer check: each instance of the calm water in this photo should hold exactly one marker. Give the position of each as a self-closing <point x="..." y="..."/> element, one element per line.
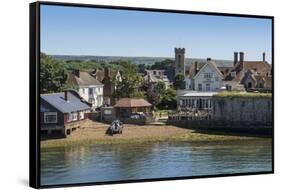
<point x="97" y="163"/>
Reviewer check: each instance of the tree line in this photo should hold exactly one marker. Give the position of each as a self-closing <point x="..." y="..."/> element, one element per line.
<point x="54" y="75"/>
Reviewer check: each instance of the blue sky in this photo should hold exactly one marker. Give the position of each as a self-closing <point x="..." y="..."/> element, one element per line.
<point x="90" y="31"/>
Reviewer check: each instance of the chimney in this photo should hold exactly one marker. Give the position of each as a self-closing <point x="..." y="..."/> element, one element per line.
<point x="241" y="56"/>
<point x="263" y="56"/>
<point x="106" y="72"/>
<point x="77" y="73"/>
<point x="235" y="61"/>
<point x="196" y="67"/>
<point x="65" y="95"/>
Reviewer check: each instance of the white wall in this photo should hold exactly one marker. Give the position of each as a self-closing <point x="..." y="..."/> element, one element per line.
<point x="214" y="84"/>
<point x="97" y="94"/>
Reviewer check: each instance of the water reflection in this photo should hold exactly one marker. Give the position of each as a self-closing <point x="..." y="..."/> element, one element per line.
<point x="153" y="160"/>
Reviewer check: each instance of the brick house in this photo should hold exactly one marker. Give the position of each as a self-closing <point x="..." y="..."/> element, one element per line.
<point x="109" y="79"/>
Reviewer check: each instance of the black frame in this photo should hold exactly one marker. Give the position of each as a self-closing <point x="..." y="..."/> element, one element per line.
<point x="34" y="92"/>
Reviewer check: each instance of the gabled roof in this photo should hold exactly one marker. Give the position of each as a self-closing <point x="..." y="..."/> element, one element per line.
<point x="132" y="102"/>
<point x="58" y="101"/>
<point x="258" y="65"/>
<point x="213" y="65"/>
<point x="85" y="79"/>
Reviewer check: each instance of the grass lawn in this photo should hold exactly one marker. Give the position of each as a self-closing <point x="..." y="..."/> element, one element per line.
<point x="243" y="95"/>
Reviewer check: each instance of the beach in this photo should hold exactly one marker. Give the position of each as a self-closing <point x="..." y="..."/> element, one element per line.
<point x="93" y="132"/>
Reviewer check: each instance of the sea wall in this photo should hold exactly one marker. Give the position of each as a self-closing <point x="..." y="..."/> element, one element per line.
<point x="234" y="114"/>
<point x="243" y="110"/>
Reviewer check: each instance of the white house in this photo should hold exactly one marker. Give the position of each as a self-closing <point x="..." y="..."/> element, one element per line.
<point x="204" y="77"/>
<point x="89" y="88"/>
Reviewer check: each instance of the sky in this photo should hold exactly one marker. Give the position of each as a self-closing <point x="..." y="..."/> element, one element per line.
<point x="107" y="32"/>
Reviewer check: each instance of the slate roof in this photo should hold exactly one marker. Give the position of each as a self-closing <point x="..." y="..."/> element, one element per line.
<point x="58" y="101"/>
<point x="85" y="79"/>
<point x="132" y="102"/>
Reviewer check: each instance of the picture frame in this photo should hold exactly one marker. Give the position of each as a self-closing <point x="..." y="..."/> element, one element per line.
<point x="36" y="99"/>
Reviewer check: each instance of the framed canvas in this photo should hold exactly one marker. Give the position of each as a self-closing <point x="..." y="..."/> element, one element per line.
<point x="126" y="94"/>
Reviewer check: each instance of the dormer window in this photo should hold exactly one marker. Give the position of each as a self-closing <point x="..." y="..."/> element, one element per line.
<point x="233" y="74"/>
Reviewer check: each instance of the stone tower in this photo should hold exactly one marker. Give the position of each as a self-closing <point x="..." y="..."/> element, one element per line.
<point x="179" y="60"/>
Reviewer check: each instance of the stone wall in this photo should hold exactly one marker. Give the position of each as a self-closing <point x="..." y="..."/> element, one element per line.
<point x="243" y="110"/>
<point x="238" y="114"/>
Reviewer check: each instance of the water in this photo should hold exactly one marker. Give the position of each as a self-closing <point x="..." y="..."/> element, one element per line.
<point x="96" y="163"/>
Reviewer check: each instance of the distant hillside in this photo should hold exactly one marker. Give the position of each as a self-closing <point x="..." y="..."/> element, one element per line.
<point x="135" y="60"/>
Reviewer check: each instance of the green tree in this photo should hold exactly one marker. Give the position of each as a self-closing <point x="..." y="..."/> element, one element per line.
<point x="52" y="75"/>
<point x="160" y="87"/>
<point x="165" y="64"/>
<point x="131" y="83"/>
<point x="179" y="81"/>
<point x="168" y="101"/>
<point x="141" y="68"/>
<point x="152" y="94"/>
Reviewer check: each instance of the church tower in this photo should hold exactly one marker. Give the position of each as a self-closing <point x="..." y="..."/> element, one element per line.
<point x="179" y="60"/>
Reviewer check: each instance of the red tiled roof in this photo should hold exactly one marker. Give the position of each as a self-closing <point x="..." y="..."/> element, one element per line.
<point x="132" y="102"/>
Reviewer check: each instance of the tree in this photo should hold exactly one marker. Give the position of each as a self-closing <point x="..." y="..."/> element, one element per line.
<point x="141" y="68"/>
<point x="179" y="81"/>
<point x="165" y="64"/>
<point x="155" y="92"/>
<point x="168" y="101"/>
<point x="52" y="75"/>
<point x="131" y="83"/>
<point x="160" y="87"/>
<point x="152" y="94"/>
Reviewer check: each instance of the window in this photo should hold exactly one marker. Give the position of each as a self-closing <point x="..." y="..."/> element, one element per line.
<point x="72" y="117"/>
<point x="199" y="87"/>
<point x="81" y="115"/>
<point x="208" y="87"/>
<point x="217" y="78"/>
<point x="107" y="112"/>
<point x="233" y="74"/>
<point x="208" y="75"/>
<point x="90" y="91"/>
<point x="154" y="72"/>
<point x="83" y="90"/>
<point x="50" y="117"/>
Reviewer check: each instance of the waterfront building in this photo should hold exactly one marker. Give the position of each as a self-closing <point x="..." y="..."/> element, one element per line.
<point x="61" y="113"/>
